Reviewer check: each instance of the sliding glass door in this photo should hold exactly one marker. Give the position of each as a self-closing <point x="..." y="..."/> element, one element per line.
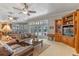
<point x="39" y="28"/>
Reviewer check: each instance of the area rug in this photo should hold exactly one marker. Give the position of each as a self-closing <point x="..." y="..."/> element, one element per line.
<point x="38" y="49"/>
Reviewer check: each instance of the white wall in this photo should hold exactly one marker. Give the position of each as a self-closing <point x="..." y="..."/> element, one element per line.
<point x="49" y="17"/>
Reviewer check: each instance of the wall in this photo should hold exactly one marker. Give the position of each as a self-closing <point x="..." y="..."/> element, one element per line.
<point x="50" y="17"/>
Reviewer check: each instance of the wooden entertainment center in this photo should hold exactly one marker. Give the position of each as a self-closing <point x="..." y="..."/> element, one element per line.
<point x="58" y="33"/>
<point x="67" y="30"/>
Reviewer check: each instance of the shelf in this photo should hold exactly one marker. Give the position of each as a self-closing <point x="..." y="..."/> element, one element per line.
<point x="67" y="25"/>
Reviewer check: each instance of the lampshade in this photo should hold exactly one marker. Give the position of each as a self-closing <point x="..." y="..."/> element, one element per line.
<point x="7" y="28"/>
<point x="0" y="26"/>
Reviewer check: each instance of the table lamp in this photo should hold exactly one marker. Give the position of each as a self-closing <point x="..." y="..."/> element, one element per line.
<point x="7" y="28"/>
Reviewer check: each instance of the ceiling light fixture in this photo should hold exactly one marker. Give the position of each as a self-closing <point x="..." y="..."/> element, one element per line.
<point x="25" y="12"/>
<point x="11" y="18"/>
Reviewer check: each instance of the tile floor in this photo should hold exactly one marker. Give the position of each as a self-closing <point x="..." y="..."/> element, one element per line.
<point x="57" y="49"/>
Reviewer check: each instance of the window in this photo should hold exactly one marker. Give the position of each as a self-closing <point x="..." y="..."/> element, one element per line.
<point x="39" y="28"/>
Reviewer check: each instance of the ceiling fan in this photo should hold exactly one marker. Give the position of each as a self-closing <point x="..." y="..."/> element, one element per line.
<point x="25" y="9"/>
<point x="10" y="12"/>
<point x="12" y="17"/>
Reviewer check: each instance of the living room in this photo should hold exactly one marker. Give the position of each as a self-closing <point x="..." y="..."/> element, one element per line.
<point x="26" y="30"/>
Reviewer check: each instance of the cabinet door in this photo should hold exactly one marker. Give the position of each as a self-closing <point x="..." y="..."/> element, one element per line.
<point x="71" y="42"/>
<point x="58" y="38"/>
<point x="65" y="40"/>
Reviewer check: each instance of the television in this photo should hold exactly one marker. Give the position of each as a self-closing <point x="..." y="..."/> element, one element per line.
<point x="68" y="30"/>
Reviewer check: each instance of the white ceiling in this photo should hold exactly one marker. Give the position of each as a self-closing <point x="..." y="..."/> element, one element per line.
<point x="40" y="8"/>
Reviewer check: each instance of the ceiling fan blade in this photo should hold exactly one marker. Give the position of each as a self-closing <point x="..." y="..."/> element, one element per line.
<point x="25" y="5"/>
<point x="28" y="14"/>
<point x="10" y="12"/>
<point x="15" y="18"/>
<point x="8" y="15"/>
<point x="32" y="11"/>
<point x="17" y="9"/>
<point x="20" y="13"/>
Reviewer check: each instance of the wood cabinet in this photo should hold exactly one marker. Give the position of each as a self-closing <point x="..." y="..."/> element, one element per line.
<point x="58" y="32"/>
<point x="65" y="29"/>
<point x="68" y="29"/>
<point x="77" y="31"/>
<point x="69" y="32"/>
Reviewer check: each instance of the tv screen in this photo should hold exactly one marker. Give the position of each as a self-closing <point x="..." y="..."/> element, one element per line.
<point x="68" y="30"/>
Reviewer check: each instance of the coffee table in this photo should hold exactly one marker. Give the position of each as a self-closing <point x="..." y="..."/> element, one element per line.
<point x="35" y="43"/>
